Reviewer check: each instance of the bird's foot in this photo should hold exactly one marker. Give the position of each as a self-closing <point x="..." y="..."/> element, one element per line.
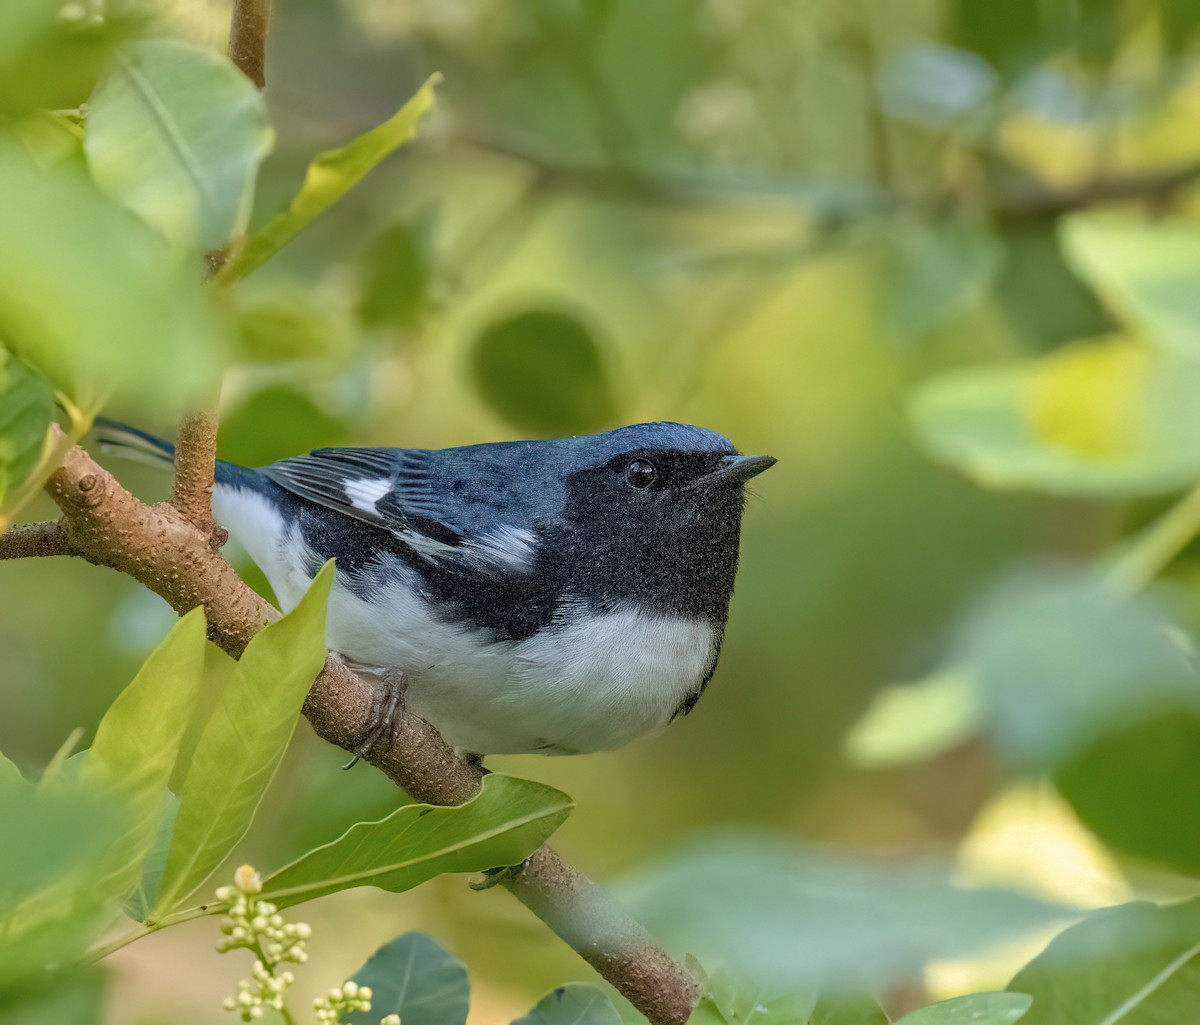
<point x="387" y="706"/>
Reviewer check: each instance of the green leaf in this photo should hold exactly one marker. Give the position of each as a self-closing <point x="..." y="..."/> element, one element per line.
<point x="50" y="909"/>
<point x="284" y="320"/>
<point x="1059" y="659"/>
<point x="243" y="743"/>
<point x="330" y="176"/>
<point x="937" y="273"/>
<point x="137" y="743"/>
<point x="48" y="61"/>
<point x="914" y="721"/>
<point x="92" y="299"/>
<point x="26" y="410"/>
<point x="729" y="999"/>
<point x="139" y="903"/>
<point x="1133" y="788"/>
<point x="415" y="977"/>
<point x="849" y="1010"/>
<point x="177" y="134"/>
<point x="502" y="825"/>
<point x="544" y="372"/>
<point x="1145" y="272"/>
<point x="10" y="776"/>
<point x="790" y="920"/>
<point x="1135" y="964"/>
<point x="1103" y="419"/>
<point x="973" y="1009"/>
<point x="396" y="285"/>
<point x="573" y="1004"/>
<point x="75" y="998"/>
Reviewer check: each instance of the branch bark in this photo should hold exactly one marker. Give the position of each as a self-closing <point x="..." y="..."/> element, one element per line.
<point x="162" y="549"/>
<point x="248" y="38"/>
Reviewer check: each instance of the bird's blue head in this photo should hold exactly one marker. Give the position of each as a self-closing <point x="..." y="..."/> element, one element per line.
<point x="648" y="514"/>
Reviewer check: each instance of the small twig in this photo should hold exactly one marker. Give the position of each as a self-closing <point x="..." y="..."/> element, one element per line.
<point x="195" y="463"/>
<point x="1147" y="554"/>
<point x="248" y="38"/>
<point x="27" y="540"/>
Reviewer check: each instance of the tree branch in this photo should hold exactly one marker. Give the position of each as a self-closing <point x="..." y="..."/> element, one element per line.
<point x="162" y="549"/>
<point x="195" y="463"/>
<point x="248" y="38"/>
<point x="32" y="539"/>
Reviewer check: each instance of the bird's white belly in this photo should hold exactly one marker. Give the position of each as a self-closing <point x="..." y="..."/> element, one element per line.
<point x="588" y="682"/>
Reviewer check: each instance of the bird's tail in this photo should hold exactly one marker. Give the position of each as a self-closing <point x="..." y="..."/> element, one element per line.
<point x="119" y="439"/>
<point x="127" y="442"/>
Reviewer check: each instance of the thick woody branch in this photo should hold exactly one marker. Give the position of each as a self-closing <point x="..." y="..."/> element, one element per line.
<point x="157" y="546"/>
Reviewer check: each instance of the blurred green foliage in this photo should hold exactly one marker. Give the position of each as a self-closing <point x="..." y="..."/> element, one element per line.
<point x="885" y="243"/>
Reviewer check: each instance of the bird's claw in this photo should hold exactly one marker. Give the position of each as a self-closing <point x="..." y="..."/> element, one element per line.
<point x="387" y="706"/>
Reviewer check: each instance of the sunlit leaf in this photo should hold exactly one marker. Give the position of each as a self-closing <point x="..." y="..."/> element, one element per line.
<point x="791" y="920"/>
<point x="1110" y="418"/>
<point x="544" y="371"/>
<point x="1135" y="964"/>
<point x="177" y="134"/>
<point x="503" y="825"/>
<point x="417" y="978"/>
<point x="243" y="743"/>
<point x="574" y="1004"/>
<point x="915" y="721"/>
<point x="26" y="409"/>
<point x="92" y="299"/>
<point x="137" y="743"/>
<point x="974" y="1009"/>
<point x="1146" y="271"/>
<point x="330" y="176"/>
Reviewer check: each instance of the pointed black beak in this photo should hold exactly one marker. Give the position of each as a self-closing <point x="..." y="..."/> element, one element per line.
<point x="737" y="470"/>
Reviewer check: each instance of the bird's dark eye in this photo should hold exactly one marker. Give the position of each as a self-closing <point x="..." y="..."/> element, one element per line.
<point x="641" y="473"/>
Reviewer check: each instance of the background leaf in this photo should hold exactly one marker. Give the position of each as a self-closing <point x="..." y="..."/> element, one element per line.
<point x="92" y="299"/>
<point x="502" y="825"/>
<point x="176" y="134"/>
<point x="243" y="743"/>
<point x="544" y="371"/>
<point x="573" y="1004"/>
<point x="790" y="920"/>
<point x="26" y="409"/>
<point x="417" y="978"/>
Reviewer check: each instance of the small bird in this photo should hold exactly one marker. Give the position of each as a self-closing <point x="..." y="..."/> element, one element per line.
<point x="556" y="597"/>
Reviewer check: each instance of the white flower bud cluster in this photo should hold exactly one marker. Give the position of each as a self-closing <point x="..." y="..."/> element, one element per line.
<point x="256" y="925"/>
<point x="344" y="999"/>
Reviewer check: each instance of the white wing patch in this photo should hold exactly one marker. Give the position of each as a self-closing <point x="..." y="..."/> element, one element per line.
<point x="512" y="548"/>
<point x="365" y="494"/>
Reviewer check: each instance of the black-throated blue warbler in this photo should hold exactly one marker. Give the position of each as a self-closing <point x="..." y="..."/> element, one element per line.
<point x="536" y="596"/>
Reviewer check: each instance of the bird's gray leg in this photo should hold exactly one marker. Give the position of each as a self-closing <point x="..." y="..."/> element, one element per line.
<point x="387" y="705"/>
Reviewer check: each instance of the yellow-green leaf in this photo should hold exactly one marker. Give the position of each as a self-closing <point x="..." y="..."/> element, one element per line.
<point x="243" y="743"/>
<point x="137" y="743"/>
<point x="330" y="176"/>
